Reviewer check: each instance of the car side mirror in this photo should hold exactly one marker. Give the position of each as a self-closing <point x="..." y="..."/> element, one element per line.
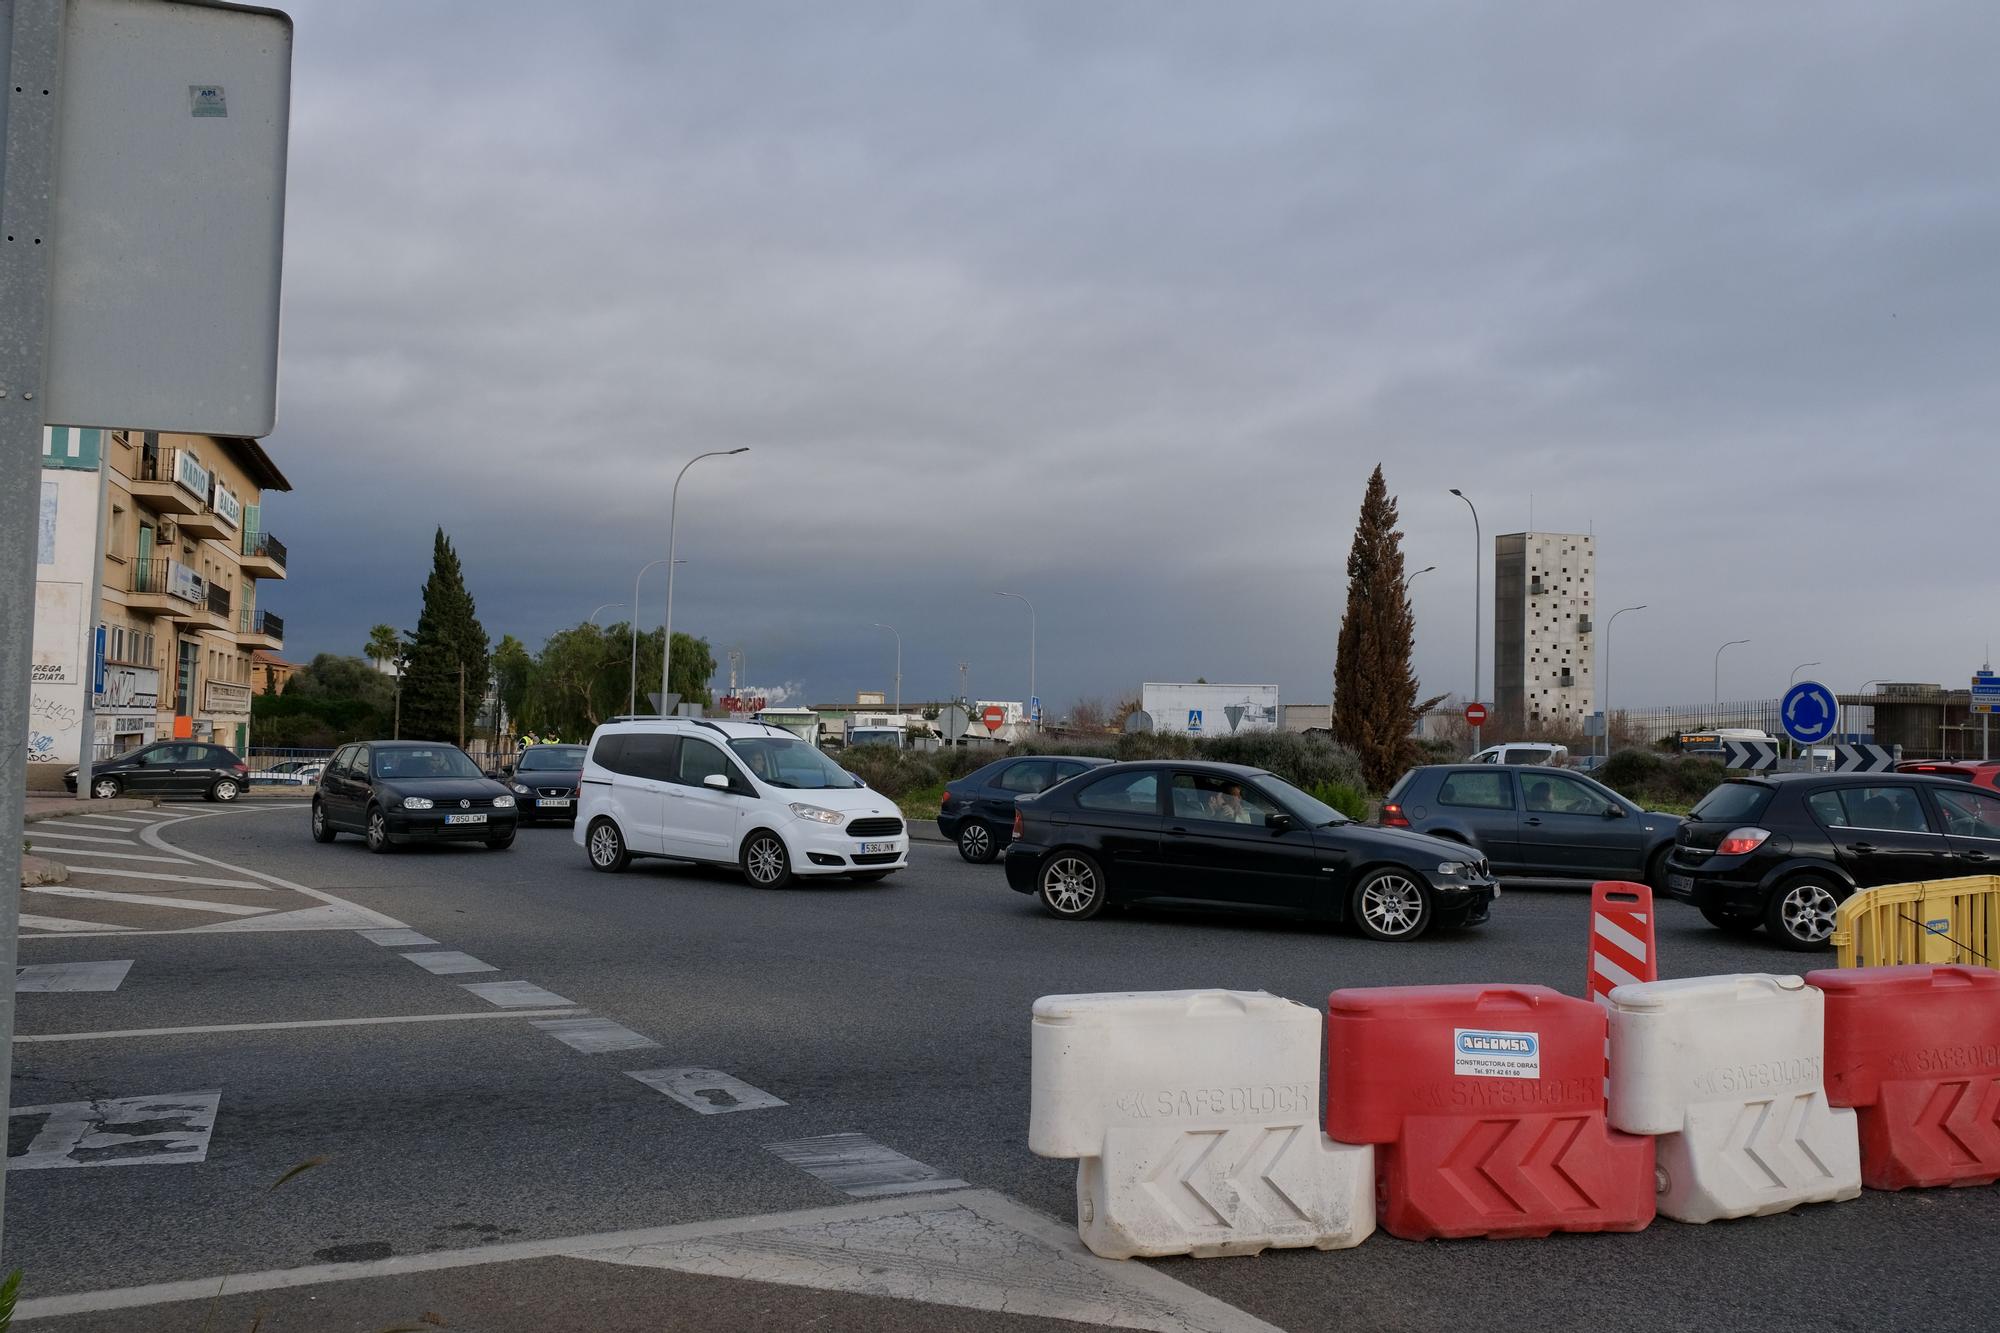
<point x="1277" y="823"/>
<point x="719" y="781"/>
<point x="506" y="770"/>
<point x="1615" y="812"/>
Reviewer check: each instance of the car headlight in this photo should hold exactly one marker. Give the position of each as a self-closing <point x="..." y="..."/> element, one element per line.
<point x="818" y="814"/>
<point x="1454" y="870"/>
<point x="518" y="788"/>
<point x="503" y="803"/>
<point x="417" y="802"/>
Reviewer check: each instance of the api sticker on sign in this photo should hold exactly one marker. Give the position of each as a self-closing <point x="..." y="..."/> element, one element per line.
<point x="1484" y="1054"/>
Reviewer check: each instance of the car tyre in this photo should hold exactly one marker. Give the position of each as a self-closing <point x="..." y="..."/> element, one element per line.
<point x="378" y="831"/>
<point x="978" y="843"/>
<point x="1391" y="904"/>
<point x="765" y="862"/>
<point x="606" y="847"/>
<point x="1071" y="886"/>
<point x="1735" y="920"/>
<point x="322" y="831"/>
<point x="1656" y="870"/>
<point x="225" y="790"/>
<point x="1801" y="911"/>
<point x="106" y="789"/>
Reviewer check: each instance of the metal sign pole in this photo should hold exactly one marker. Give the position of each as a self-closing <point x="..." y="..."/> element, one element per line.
<point x="32" y="31"/>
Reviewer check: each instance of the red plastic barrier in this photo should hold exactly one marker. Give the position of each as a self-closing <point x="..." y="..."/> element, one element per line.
<point x="1916" y="1052"/>
<point x="1486" y="1104"/>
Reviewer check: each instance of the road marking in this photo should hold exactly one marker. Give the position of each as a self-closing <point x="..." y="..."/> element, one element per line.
<point x="115" y="856"/>
<point x="396" y="937"/>
<point x="514" y="994"/>
<point x="166" y="878"/>
<point x="58" y="923"/>
<point x="36" y="837"/>
<point x="166" y="1130"/>
<point x="1041" y="1260"/>
<point x="137" y="820"/>
<point x="71" y="976"/>
<point x="333" y="916"/>
<point x="145" y="899"/>
<point x="594" y="1036"/>
<point x="447" y="963"/>
<point x="152" y="835"/>
<point x="855" y="1164"/>
<point x="709" y="1091"/>
<point x="44" y="1037"/>
<point x="100" y="828"/>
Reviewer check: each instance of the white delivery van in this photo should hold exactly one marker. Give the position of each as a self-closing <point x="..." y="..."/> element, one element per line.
<point x="1523" y="752"/>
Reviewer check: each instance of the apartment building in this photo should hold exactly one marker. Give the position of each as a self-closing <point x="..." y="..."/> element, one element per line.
<point x="1544" y="609"/>
<point x="153" y="550"/>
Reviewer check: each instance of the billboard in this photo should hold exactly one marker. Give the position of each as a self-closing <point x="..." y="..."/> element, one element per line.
<point x="1200" y="709"/>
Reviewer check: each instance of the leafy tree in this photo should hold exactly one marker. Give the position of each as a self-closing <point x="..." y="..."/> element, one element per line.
<point x="1375" y="691"/>
<point x="584" y="675"/>
<point x="513" y="673"/>
<point x="383" y="645"/>
<point x="448" y="651"/>
<point x="329" y="702"/>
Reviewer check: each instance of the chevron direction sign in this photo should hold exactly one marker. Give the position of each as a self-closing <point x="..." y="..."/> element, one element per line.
<point x="1749" y="754"/>
<point x="1856" y="758"/>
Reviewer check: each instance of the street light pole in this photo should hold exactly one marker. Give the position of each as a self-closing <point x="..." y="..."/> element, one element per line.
<point x="600" y="611"/>
<point x="632" y="693"/>
<point x="1604" y="675"/>
<point x="1408" y="579"/>
<point x="1715" y="697"/>
<point x="673" y="509"/>
<point x="1031" y="656"/>
<point x="899" y="665"/>
<point x="1478" y="554"/>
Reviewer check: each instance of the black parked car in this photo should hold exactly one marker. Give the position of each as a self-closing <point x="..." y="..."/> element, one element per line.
<point x="977" y="812"/>
<point x="410" y="791"/>
<point x="169" y="768"/>
<point x="1784" y="851"/>
<point x="544" y="782"/>
<point x="1534" y="822"/>
<point x="1225" y="834"/>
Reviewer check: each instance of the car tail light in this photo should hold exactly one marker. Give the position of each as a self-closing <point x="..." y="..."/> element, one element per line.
<point x="1393" y="816"/>
<point x="945" y="804"/>
<point x="1017" y="824"/>
<point x="1738" y="841"/>
<point x="240" y="766"/>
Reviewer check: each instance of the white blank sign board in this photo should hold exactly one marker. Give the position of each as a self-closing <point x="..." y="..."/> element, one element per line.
<point x="169" y="217"/>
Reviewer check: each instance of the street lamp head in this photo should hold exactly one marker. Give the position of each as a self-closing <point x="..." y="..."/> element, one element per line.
<point x="741" y="450"/>
<point x="1457" y="492"/>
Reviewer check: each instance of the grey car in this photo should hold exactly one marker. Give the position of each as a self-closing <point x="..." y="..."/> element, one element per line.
<point x="1535" y="824"/>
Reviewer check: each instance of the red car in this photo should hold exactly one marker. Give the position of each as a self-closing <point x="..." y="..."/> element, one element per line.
<point x="1979" y="772"/>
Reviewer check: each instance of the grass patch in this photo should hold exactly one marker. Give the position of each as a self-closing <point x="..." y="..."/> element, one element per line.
<point x="923" y="803"/>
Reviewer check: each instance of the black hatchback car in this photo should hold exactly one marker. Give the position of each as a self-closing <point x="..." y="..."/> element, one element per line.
<point x="544" y="781"/>
<point x="394" y="792"/>
<point x="169" y="768"/>
<point x="1535" y="823"/>
<point x="977" y="811"/>
<point x="1222" y="834"/>
<point x="1784" y="851"/>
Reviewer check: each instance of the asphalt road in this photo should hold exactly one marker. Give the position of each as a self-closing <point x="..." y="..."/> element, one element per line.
<point x="898" y="1011"/>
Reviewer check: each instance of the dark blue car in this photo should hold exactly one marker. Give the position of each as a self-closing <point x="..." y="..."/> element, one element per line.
<point x="978" y="809"/>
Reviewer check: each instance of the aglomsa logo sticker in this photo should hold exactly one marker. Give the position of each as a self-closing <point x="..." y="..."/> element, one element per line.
<point x="1483" y="1053"/>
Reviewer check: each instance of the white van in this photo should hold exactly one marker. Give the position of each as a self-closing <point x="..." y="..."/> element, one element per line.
<point x="732" y="793"/>
<point x="1523" y="752"/>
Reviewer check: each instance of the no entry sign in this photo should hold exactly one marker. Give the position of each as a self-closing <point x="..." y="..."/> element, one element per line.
<point x="1476" y="714"/>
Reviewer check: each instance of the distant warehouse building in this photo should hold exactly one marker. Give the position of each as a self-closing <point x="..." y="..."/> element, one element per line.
<point x="1201" y="709"/>
<point x="1544" y="628"/>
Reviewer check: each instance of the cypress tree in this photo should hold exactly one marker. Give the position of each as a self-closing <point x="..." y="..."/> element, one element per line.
<point x="448" y="637"/>
<point x="1375" y="692"/>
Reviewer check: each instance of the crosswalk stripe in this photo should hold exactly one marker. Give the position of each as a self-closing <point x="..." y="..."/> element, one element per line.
<point x="123" y="873"/>
<point x="148" y="900"/>
<point x="59" y="924"/>
<point x="93" y="976"/>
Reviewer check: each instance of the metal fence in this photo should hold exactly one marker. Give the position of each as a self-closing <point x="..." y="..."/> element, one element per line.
<point x="1646" y="725"/>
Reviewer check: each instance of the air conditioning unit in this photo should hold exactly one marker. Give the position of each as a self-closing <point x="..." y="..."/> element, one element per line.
<point x="170" y="533"/>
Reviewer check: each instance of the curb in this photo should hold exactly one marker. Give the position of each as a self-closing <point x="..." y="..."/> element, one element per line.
<point x="66" y="807"/>
<point x="36" y="870"/>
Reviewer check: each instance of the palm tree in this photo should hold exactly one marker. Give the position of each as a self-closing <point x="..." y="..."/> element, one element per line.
<point x="384" y="645"/>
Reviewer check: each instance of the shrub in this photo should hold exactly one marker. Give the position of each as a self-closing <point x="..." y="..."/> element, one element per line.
<point x="1350" y="801"/>
<point x="1646" y="777"/>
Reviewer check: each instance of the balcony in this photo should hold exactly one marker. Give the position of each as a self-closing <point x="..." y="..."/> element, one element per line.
<point x="259" y="629"/>
<point x="263" y="556"/>
<point x="218" y="606"/>
<point x="164" y="587"/>
<point x="173" y="481"/>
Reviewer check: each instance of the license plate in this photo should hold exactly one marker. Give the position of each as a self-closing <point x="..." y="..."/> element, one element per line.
<point x="553" y="801"/>
<point x="465" y="819"/>
<point x="1681" y="883"/>
<point x="877" y="848"/>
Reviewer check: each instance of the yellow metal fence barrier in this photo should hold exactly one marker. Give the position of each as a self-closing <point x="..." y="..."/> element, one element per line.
<point x="1931" y="921"/>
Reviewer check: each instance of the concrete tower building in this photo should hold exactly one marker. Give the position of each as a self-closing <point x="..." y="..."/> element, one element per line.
<point x="1544" y="623"/>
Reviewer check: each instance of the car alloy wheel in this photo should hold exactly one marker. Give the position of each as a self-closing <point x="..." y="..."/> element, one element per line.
<point x="975" y="843"/>
<point x="225" y="789"/>
<point x="607" y="847"/>
<point x="378" y="831"/>
<point x="322" y="831"/>
<point x="1072" y="886"/>
<point x="1391" y="905"/>
<point x="1802" y="914"/>
<point x="765" y="863"/>
<point x="105" y="789"/>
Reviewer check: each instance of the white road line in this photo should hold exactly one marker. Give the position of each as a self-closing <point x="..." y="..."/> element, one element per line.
<point x="855" y="1164"/>
<point x="152" y="836"/>
<point x="100" y="828"/>
<point x="709" y="1091"/>
<point x="448" y="963"/>
<point x="121" y="1131"/>
<point x="397" y="937"/>
<point x="146" y="899"/>
<point x="594" y="1036"/>
<point x="38" y="838"/>
<point x="117" y="856"/>
<point x="59" y="924"/>
<point x="134" y="820"/>
<point x="71" y="976"/>
<point x="164" y="877"/>
<point x="513" y="994"/>
<point x="43" y="1037"/>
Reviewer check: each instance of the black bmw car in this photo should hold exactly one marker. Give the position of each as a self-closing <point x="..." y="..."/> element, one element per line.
<point x="1222" y="834"/>
<point x="393" y="792"/>
<point x="544" y="782"/>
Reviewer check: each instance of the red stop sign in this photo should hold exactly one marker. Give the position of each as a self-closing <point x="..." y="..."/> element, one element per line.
<point x="1475" y="714"/>
<point x="995" y="717"/>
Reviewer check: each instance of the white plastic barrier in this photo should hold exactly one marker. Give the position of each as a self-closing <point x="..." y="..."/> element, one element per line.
<point x="1195" y="1116"/>
<point x="1730" y="1073"/>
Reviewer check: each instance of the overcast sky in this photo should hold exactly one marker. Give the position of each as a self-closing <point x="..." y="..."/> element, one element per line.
<point x="1116" y="306"/>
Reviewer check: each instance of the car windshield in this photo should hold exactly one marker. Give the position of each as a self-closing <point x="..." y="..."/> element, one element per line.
<point x="786" y="761"/>
<point x="1308" y="809"/>
<point x="552" y="756"/>
<point x="428" y="761"/>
